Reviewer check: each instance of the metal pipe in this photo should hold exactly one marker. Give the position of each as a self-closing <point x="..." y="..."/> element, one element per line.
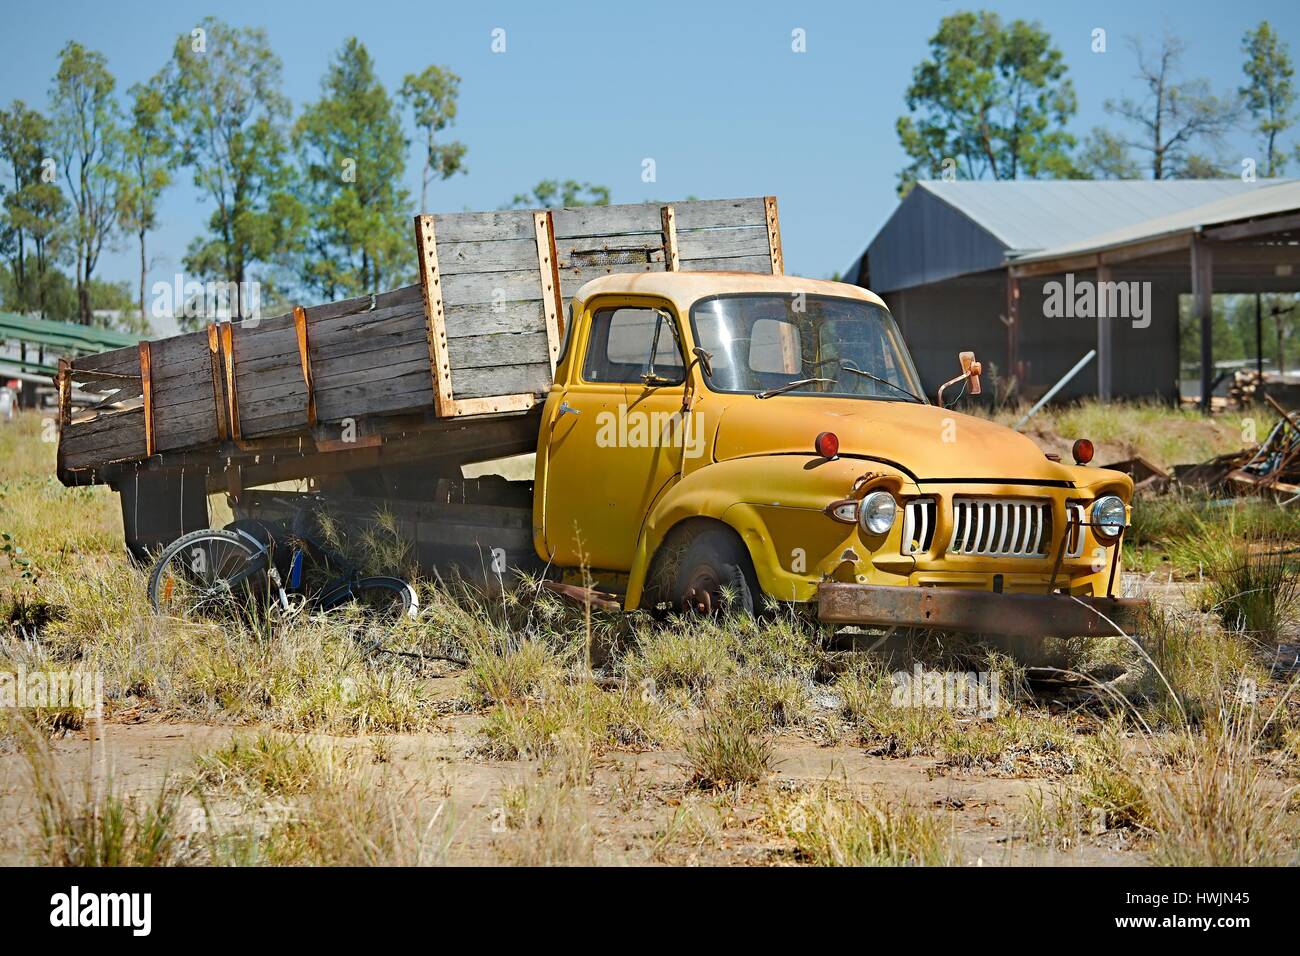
<point x="1051" y="392"/>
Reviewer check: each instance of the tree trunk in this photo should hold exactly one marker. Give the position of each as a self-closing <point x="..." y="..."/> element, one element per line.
<point x="143" y="325"/>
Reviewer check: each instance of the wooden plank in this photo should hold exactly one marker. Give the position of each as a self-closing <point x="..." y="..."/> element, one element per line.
<point x="405" y="393"/>
<point x="124" y="360"/>
<point x="606" y="220"/>
<point x="431" y="284"/>
<point x="384" y="300"/>
<point x="502" y="380"/>
<point x="492" y="287"/>
<point x="571" y="280"/>
<point x="398" y="324"/>
<point x="484" y="318"/>
<point x="489" y="351"/>
<point x="668" y="218"/>
<point x="495" y="404"/>
<point x="734" y="264"/>
<point x="549" y="276"/>
<point x="720" y="213"/>
<point x="724" y="243"/>
<point x="275" y="343"/>
<point x="503" y="255"/>
<point x="774" y="235"/>
<point x="475" y="226"/>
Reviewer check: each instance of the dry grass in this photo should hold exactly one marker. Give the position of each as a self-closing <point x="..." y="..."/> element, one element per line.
<point x="1164" y="434"/>
<point x="726" y="752"/>
<point x="546" y="823"/>
<point x="829" y="826"/>
<point x="550" y="688"/>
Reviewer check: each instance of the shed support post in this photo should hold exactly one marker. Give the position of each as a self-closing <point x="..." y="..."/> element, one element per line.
<point x="1202" y="292"/>
<point x="1105" y="343"/>
<point x="1259" y="337"/>
<point x="1013" y="327"/>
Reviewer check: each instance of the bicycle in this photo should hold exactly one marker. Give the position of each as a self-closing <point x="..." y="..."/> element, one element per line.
<point x="252" y="563"/>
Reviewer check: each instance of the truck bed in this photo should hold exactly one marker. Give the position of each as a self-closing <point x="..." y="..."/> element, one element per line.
<point x="451" y="368"/>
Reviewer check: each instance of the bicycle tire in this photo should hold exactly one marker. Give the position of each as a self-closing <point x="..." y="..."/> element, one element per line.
<point x="402" y="594"/>
<point x="228" y="539"/>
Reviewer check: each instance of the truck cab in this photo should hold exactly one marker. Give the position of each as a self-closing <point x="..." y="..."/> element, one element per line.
<point x="715" y="437"/>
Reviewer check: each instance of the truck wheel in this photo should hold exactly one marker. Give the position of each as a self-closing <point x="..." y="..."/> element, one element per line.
<point x="715" y="574"/>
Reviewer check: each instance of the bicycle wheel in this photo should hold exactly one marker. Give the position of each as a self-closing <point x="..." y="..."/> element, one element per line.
<point x="204" y="573"/>
<point x="381" y="600"/>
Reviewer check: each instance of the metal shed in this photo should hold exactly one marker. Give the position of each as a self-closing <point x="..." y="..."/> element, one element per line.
<point x="987" y="265"/>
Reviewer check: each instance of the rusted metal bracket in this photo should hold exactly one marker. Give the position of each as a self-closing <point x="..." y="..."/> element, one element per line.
<point x="549" y="274"/>
<point x="146" y="383"/>
<point x="434" y="317"/>
<point x="228" y="359"/>
<point x="300" y="327"/>
<point x="975" y="612"/>
<point x="599" y="600"/>
<point x="218" y="395"/>
<point x="672" y="261"/>
<point x="774" y="236"/>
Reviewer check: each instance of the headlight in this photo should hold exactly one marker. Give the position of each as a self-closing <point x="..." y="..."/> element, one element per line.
<point x="1108" y="517"/>
<point x="876" y="513"/>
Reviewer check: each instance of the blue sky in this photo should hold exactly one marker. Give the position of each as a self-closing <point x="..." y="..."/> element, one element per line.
<point x="711" y="91"/>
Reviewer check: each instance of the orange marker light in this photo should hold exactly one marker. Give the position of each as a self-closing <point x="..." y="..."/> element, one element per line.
<point x="1082" y="451"/>
<point x="827" y="445"/>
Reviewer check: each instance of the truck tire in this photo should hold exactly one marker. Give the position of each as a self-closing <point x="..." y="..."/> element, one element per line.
<point x="713" y="565"/>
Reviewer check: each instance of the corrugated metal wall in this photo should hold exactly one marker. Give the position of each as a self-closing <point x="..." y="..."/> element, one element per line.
<point x="925" y="241"/>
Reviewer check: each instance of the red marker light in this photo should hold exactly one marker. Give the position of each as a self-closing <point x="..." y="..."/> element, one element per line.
<point x="1082" y="451"/>
<point x="827" y="445"/>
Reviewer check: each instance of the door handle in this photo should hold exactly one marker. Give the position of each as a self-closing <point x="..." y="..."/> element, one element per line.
<point x="567" y="409"/>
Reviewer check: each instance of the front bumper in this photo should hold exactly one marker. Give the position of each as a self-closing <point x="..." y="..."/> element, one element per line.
<point x="977" y="612"/>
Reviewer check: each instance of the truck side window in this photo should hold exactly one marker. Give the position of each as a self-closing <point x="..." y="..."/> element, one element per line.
<point x="629" y="344"/>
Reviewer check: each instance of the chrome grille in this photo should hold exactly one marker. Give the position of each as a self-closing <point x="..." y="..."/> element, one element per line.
<point x="919" y="516"/>
<point x="1001" y="527"/>
<point x="1076" y="514"/>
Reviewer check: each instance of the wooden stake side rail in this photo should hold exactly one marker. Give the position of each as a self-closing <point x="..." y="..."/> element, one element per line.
<point x="479" y="335"/>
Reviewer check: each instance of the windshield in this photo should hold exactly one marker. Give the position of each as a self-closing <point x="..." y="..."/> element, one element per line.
<point x="845" y="347"/>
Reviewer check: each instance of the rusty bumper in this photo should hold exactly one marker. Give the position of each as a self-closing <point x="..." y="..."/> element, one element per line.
<point x="976" y="612"/>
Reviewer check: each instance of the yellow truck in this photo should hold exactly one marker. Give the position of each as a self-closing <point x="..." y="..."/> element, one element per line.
<point x="707" y="430"/>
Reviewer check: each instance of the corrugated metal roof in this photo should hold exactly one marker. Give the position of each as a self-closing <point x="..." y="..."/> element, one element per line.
<point x="1043" y="214"/>
<point x="71" y="335"/>
<point x="1274" y="198"/>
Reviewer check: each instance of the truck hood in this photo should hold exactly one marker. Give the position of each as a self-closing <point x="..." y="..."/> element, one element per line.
<point x="929" y="442"/>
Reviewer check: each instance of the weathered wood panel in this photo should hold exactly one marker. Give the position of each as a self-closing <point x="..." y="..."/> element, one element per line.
<point x="494" y="286"/>
<point x="761" y="263"/>
<point x="184" y="405"/>
<point x="533" y="378"/>
<point x="116" y="436"/>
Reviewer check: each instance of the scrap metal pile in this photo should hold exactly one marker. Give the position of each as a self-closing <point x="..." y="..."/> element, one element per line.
<point x="1271" y="468"/>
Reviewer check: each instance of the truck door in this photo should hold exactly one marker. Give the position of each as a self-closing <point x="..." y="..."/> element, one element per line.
<point x="618" y="435"/>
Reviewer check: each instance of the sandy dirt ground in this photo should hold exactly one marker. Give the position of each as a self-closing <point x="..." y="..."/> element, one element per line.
<point x="640" y="809"/>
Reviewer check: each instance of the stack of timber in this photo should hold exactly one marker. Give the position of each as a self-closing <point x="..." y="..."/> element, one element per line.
<point x="478" y="338"/>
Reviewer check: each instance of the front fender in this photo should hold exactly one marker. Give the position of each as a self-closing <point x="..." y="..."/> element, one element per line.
<point x="776" y="504"/>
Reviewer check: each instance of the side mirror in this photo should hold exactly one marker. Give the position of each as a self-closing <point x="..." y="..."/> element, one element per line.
<point x="971" y="369"/>
<point x="705" y="358"/>
<point x="970" y="373"/>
